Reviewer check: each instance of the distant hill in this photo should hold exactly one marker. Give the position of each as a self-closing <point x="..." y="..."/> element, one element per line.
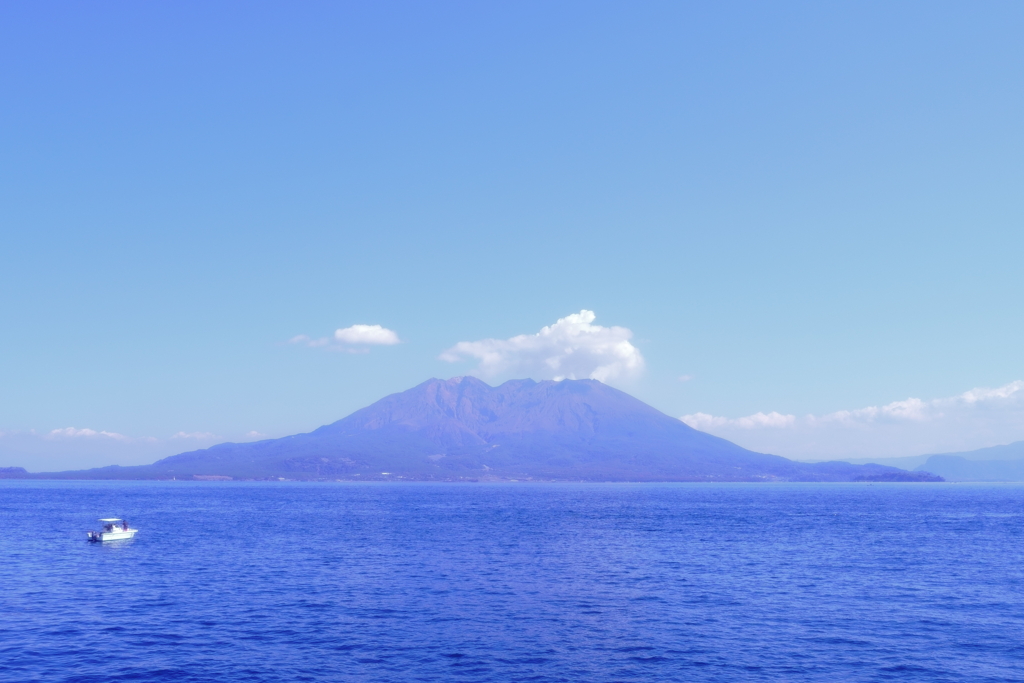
<point x="463" y="429"/>
<point x="996" y="463"/>
<point x="1011" y="451"/>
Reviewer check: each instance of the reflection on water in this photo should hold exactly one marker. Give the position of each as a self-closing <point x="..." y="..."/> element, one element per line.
<point x="119" y="544"/>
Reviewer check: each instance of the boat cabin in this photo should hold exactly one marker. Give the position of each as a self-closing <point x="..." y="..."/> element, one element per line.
<point x="114" y="524"/>
<point x="114" y="529"/>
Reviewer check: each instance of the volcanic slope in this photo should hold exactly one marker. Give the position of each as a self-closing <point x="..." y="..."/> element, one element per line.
<point x="464" y="429"/>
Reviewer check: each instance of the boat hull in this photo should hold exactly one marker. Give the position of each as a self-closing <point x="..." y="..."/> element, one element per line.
<point x="112" y="535"/>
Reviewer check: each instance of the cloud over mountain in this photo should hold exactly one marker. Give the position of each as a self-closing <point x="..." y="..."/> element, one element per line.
<point x="572" y="348"/>
<point x="974" y="419"/>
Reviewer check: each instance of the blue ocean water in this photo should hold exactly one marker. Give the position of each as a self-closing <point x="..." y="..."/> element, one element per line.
<point x="512" y="582"/>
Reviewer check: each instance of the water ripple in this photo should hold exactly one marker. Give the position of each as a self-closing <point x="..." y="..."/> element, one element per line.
<point x="486" y="583"/>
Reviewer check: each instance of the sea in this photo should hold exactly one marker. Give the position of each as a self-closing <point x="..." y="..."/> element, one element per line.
<point x="290" y="581"/>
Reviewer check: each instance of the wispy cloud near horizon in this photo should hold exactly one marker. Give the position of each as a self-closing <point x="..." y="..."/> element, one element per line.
<point x="196" y="436"/>
<point x="86" y="433"/>
<point x="72" y="448"/>
<point x="572" y="348"/>
<point x="973" y="419"/>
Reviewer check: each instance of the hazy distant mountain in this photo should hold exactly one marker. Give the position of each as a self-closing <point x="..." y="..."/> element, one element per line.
<point x="1012" y="451"/>
<point x="464" y="429"/>
<point x="996" y="463"/>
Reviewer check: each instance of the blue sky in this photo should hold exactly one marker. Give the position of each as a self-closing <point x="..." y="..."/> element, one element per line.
<point x="804" y="208"/>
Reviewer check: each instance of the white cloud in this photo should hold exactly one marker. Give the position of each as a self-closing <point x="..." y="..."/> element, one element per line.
<point x="72" y="433"/>
<point x="196" y="436"/>
<point x="974" y="419"/>
<point x="366" y="334"/>
<point x="346" y="338"/>
<point x="705" y="422"/>
<point x="975" y="395"/>
<point x="771" y="419"/>
<point x="572" y="348"/>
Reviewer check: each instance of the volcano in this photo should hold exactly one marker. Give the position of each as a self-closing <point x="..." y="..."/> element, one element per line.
<point x="464" y="429"/>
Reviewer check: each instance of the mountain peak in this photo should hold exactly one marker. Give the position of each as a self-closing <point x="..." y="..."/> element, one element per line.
<point x="464" y="429"/>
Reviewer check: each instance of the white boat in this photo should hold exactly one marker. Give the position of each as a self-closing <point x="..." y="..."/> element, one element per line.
<point x="114" y="529"/>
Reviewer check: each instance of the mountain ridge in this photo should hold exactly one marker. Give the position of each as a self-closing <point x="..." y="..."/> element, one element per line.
<point x="463" y="429"/>
<point x="1004" y="463"/>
